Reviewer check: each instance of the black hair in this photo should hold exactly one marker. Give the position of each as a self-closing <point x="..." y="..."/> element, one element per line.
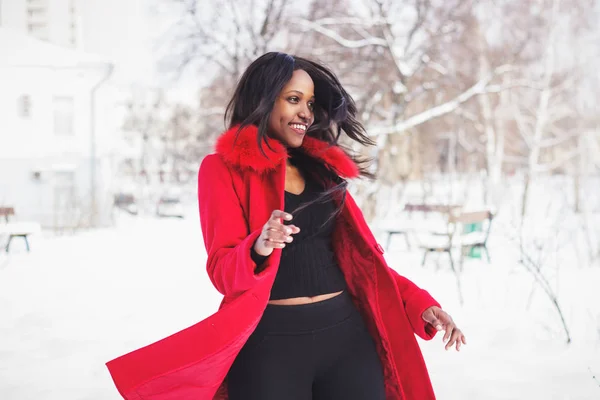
<point x="334" y="114"/>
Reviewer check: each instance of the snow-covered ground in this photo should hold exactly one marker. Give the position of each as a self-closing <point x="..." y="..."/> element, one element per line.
<point x="77" y="301"/>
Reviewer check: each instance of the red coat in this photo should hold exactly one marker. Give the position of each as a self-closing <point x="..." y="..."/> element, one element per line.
<point x="238" y="188"/>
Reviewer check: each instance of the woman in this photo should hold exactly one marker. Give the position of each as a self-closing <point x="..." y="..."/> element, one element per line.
<point x="310" y="309"/>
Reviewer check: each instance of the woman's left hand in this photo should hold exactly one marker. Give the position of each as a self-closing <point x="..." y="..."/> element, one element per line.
<point x="441" y="320"/>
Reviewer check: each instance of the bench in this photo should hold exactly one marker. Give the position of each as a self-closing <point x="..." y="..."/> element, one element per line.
<point x="411" y="208"/>
<point x="16" y="229"/>
<point x="454" y="237"/>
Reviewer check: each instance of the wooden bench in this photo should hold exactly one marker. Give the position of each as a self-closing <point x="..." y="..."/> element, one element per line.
<point x="411" y="208"/>
<point x="454" y="237"/>
<point x="16" y="229"/>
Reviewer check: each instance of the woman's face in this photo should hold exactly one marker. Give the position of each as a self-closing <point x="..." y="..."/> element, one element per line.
<point x="293" y="111"/>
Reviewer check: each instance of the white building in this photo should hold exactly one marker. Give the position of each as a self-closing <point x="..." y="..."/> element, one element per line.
<point x="121" y="31"/>
<point x="55" y="21"/>
<point x="54" y="163"/>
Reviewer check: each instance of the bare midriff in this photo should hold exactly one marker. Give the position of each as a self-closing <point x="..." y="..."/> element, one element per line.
<point x="304" y="300"/>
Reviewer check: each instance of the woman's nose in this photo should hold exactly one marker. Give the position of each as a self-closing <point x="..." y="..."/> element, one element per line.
<point x="305" y="113"/>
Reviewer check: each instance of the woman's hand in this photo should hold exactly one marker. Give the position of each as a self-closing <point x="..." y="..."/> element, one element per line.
<point x="441" y="320"/>
<point x="275" y="234"/>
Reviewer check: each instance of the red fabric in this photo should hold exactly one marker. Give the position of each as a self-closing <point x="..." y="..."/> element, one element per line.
<point x="238" y="188"/>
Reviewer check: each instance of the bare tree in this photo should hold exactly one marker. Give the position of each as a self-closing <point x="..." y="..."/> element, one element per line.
<point x="219" y="39"/>
<point x="216" y="41"/>
<point x="547" y="119"/>
<point x="409" y="37"/>
<point x="435" y="82"/>
<point x="145" y="115"/>
<point x="411" y="65"/>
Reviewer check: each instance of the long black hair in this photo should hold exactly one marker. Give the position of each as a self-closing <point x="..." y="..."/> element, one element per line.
<point x="334" y="112"/>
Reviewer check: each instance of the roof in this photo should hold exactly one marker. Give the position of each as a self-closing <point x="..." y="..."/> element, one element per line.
<point x="19" y="50"/>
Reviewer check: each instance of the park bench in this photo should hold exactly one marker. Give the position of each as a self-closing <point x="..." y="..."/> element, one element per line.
<point x="12" y="230"/>
<point x="412" y="208"/>
<point x="457" y="237"/>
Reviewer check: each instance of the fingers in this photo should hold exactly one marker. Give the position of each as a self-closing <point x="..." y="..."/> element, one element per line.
<point x="442" y="320"/>
<point x="272" y="242"/>
<point x="278" y="235"/>
<point x="456" y="337"/>
<point x="437" y="324"/>
<point x="434" y="316"/>
<point x="275" y="234"/>
<point x="447" y="334"/>
<point x="278" y="215"/>
<point x="278" y="230"/>
<point x="460" y="341"/>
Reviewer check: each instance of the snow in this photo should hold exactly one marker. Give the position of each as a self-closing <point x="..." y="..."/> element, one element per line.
<point x="78" y="300"/>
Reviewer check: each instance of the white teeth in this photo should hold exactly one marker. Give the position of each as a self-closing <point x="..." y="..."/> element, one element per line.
<point x="298" y="126"/>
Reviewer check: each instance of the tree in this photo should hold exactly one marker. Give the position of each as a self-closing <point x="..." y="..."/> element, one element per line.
<point x="219" y="39"/>
<point x="145" y="115"/>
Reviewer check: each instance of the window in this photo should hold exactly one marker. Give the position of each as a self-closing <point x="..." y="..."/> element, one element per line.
<point x="63" y="116"/>
<point x="35" y="14"/>
<point x="37" y="20"/>
<point x="64" y="178"/>
<point x="38" y="30"/>
<point x="74" y="24"/>
<point x="24" y="106"/>
<point x="36" y="3"/>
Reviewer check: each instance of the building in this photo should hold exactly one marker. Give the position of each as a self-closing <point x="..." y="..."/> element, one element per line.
<point x="55" y="21"/>
<point x="54" y="167"/>
<point x="120" y="31"/>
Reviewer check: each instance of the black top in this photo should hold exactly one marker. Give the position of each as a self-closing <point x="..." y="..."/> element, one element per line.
<point x="308" y="266"/>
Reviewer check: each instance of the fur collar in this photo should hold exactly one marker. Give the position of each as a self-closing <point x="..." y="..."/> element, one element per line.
<point x="244" y="152"/>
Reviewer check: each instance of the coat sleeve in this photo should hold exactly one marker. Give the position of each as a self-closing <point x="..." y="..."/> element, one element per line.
<point x="225" y="230"/>
<point x="416" y="301"/>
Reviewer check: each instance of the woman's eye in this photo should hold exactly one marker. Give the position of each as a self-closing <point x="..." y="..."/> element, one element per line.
<point x="296" y="100"/>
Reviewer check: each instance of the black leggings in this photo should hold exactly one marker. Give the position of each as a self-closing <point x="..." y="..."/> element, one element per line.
<point x="319" y="351"/>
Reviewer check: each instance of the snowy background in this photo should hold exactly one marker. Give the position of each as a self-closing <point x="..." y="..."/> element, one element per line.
<point x="77" y="301"/>
<point x="485" y="104"/>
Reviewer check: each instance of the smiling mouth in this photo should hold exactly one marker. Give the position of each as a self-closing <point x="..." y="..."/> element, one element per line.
<point x="300" y="129"/>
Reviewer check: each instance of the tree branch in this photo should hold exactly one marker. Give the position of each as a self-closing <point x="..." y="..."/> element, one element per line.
<point x="349" y="43"/>
<point x="366" y="22"/>
<point x="513" y="85"/>
<point x="478" y="88"/>
<point x="557" y="140"/>
<point x="558" y="163"/>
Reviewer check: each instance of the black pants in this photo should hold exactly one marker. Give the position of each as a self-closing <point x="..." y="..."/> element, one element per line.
<point x="319" y="351"/>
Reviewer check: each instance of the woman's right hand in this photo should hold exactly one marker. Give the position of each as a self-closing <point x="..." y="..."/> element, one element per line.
<point x="275" y="234"/>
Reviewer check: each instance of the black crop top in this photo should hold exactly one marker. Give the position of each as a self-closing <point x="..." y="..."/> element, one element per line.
<point x="308" y="266"/>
